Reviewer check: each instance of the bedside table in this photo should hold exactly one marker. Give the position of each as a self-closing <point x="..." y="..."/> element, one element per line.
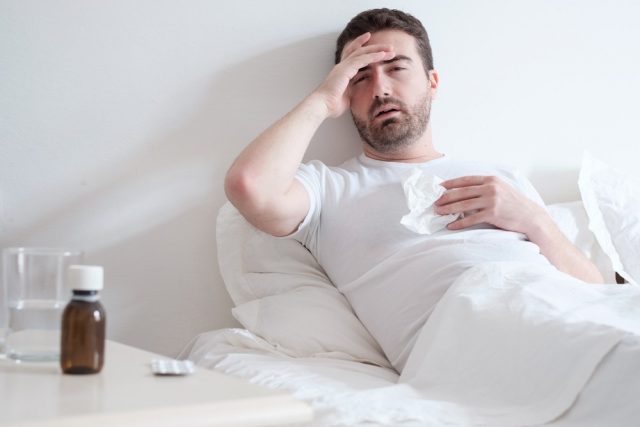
<point x="126" y="393"/>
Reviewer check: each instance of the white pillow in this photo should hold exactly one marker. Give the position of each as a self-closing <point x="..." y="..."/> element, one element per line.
<point x="612" y="201"/>
<point x="571" y="218"/>
<point x="283" y="295"/>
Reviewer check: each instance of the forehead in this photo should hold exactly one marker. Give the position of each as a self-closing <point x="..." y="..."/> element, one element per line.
<point x="403" y="43"/>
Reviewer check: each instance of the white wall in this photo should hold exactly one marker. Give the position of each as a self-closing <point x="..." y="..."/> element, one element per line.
<point x="118" y="120"/>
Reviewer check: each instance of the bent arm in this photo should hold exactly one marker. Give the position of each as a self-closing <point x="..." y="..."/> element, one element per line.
<point x="260" y="182"/>
<point x="494" y="202"/>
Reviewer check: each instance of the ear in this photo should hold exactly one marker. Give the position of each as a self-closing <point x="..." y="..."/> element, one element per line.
<point x="434" y="82"/>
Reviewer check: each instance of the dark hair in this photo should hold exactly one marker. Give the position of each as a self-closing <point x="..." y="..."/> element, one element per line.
<point x="387" y="19"/>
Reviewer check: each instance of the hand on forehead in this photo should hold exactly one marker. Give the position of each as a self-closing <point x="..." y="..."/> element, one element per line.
<point x="354" y="44"/>
<point x="363" y="41"/>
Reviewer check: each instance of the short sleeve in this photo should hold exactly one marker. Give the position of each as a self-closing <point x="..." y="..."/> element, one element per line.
<point x="310" y="176"/>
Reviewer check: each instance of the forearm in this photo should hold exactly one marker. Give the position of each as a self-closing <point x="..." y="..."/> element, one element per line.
<point x="266" y="167"/>
<point x="560" y="252"/>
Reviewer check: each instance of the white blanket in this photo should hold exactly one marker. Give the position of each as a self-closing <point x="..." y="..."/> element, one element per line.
<point x="507" y="345"/>
<point x="516" y="345"/>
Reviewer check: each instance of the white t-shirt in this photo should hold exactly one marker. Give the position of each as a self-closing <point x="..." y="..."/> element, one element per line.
<point x="392" y="276"/>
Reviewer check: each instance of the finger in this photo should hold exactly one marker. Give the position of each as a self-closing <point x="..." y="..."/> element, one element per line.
<point x="465" y="181"/>
<point x="359" y="61"/>
<point x="369" y="49"/>
<point x="468" y="221"/>
<point x="354" y="44"/>
<point x="457" y="194"/>
<point x="462" y="206"/>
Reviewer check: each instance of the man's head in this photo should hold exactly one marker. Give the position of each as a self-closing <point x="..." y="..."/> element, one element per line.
<point x="374" y="20"/>
<point x="405" y="84"/>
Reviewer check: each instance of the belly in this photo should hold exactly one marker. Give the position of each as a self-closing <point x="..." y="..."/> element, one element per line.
<point x="395" y="298"/>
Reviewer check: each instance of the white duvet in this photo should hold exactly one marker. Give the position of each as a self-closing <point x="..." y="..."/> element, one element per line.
<point x="516" y="345"/>
<point x="506" y="346"/>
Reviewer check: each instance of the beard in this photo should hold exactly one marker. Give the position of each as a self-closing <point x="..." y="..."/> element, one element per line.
<point x="396" y="132"/>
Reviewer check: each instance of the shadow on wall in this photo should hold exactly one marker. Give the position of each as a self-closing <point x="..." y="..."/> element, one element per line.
<point x="152" y="222"/>
<point x="261" y="90"/>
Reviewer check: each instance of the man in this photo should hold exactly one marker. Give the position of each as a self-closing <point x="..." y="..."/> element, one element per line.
<point x="349" y="216"/>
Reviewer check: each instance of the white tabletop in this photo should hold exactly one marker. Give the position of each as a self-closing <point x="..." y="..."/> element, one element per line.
<point x="127" y="393"/>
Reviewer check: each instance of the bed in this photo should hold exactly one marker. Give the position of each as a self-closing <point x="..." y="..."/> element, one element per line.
<point x="505" y="346"/>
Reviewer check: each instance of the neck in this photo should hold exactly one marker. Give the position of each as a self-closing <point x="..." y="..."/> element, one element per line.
<point x="420" y="151"/>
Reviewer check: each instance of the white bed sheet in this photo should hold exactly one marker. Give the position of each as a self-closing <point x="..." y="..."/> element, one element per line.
<point x="515" y="345"/>
<point x="347" y="393"/>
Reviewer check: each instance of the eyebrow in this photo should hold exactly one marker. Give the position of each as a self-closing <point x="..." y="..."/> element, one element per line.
<point x="389" y="61"/>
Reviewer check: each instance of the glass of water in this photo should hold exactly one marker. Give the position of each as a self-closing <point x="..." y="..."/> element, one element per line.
<point x="35" y="293"/>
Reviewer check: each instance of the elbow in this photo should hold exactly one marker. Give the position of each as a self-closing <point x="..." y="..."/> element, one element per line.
<point x="598" y="278"/>
<point x="593" y="276"/>
<point x="241" y="188"/>
<point x="236" y="185"/>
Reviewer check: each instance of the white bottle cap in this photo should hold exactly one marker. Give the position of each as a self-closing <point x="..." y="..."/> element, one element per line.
<point x="85" y="277"/>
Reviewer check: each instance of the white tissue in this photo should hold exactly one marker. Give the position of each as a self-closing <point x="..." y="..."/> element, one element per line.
<point x="421" y="191"/>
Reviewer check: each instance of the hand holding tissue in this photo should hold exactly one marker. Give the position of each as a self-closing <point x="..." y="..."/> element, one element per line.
<point x="421" y="191"/>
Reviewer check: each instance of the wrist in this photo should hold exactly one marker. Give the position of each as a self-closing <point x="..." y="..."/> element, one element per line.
<point x="317" y="105"/>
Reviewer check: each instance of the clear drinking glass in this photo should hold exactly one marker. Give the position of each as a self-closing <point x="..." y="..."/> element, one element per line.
<point x="35" y="294"/>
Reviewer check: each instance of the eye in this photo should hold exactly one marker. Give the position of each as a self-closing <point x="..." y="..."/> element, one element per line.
<point x="358" y="79"/>
<point x="398" y="68"/>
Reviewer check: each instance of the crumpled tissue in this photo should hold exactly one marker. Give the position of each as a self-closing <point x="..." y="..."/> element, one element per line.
<point x="421" y="191"/>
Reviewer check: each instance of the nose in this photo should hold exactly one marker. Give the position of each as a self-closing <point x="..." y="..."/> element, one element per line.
<point x="381" y="87"/>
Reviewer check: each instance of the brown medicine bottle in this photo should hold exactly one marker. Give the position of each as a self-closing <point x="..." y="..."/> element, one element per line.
<point x="83" y="323"/>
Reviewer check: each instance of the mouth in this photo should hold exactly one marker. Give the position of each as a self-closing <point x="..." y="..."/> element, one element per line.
<point x="386" y="112"/>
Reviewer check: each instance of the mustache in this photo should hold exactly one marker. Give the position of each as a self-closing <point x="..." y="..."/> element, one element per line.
<point x="379" y="102"/>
